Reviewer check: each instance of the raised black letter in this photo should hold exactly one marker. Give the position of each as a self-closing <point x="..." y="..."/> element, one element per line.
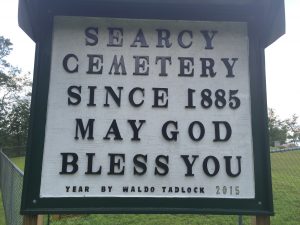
<point x="228" y="166"/>
<point x="208" y="38"/>
<point x="186" y="66"/>
<point x="162" y="165"/>
<point x="92" y="96"/>
<point x="141" y="39"/>
<point x="116" y="98"/>
<point x="116" y="66"/>
<point x="216" y="165"/>
<point x="189" y="165"/>
<point x="94" y="67"/>
<point x="163" y="35"/>
<point x="91" y="36"/>
<point x="136" y="129"/>
<point x="141" y="65"/>
<point x="217" y="131"/>
<point x="173" y="133"/>
<point x="140" y="164"/>
<point x="201" y="131"/>
<point x="83" y="131"/>
<point x="180" y="37"/>
<point x="160" y="98"/>
<point x="116" y="164"/>
<point x="115" y="37"/>
<point x="229" y="66"/>
<point x="74" y="95"/>
<point x="190" y="99"/>
<point x="90" y="165"/>
<point x="208" y="65"/>
<point x="163" y="60"/>
<point x="66" y="60"/>
<point x="131" y="93"/>
<point x="66" y="163"/>
<point x="113" y="129"/>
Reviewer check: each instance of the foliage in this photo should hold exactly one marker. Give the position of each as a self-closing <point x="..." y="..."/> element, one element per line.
<point x="277" y="129"/>
<point x="293" y="129"/>
<point x="283" y="130"/>
<point x="17" y="121"/>
<point x="14" y="99"/>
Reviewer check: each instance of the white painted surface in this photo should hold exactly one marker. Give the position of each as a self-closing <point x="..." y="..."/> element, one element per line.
<point x="69" y="37"/>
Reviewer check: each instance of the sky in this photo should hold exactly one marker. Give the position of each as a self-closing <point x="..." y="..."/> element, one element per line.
<point x="282" y="57"/>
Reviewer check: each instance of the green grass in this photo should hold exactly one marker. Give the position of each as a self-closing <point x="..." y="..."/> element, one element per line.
<point x="146" y="220"/>
<point x="19" y="162"/>
<point x="286" y="187"/>
<point x="286" y="192"/>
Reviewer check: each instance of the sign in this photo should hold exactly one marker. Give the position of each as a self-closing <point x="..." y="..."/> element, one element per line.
<point x="148" y="108"/>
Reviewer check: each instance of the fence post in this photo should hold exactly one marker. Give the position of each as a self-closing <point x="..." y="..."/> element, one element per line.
<point x="261" y="220"/>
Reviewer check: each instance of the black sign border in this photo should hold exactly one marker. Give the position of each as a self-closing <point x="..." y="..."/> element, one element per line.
<point x="262" y="204"/>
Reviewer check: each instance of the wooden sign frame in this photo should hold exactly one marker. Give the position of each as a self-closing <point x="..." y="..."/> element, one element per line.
<point x="262" y="203"/>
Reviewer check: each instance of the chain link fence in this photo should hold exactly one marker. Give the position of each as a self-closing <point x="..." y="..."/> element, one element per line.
<point x="14" y="151"/>
<point x="11" y="182"/>
<point x="286" y="186"/>
<point x="286" y="191"/>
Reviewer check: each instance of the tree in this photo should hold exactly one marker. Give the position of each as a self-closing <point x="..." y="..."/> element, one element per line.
<point x="14" y="99"/>
<point x="293" y="129"/>
<point x="277" y="129"/>
<point x="18" y="118"/>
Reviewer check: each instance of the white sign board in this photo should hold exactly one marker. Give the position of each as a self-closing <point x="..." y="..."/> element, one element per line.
<point x="148" y="108"/>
